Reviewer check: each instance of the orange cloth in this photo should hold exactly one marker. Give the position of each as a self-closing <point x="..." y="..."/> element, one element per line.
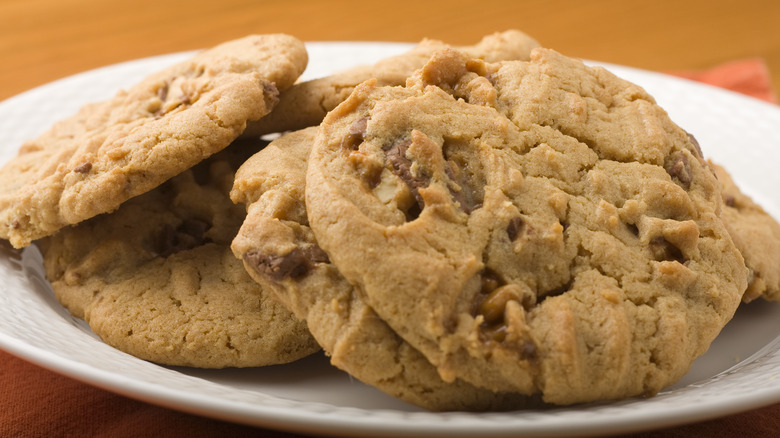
<point x="35" y="402"/>
<point x="747" y="76"/>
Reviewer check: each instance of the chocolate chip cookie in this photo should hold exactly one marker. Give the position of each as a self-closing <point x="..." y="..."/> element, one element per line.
<point x="531" y="227"/>
<point x="157" y="279"/>
<point x="280" y="252"/>
<point x="757" y="236"/>
<point x="113" y="150"/>
<point x="305" y="104"/>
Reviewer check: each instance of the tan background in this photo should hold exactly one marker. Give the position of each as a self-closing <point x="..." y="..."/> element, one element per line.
<point x="42" y="40"/>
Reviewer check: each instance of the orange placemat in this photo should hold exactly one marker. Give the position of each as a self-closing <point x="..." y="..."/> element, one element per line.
<point x="747" y="76"/>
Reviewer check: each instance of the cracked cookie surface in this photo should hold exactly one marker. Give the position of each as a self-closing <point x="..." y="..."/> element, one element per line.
<point x="756" y="234"/>
<point x="156" y="278"/>
<point x="538" y="227"/>
<point x="280" y="252"/>
<point x="113" y="150"/>
<point x="305" y="104"/>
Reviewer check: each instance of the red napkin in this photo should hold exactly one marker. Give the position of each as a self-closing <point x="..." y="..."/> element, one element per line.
<point x="747" y="76"/>
<point x="35" y="402"/>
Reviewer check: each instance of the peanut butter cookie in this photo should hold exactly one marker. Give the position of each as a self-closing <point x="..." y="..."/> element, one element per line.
<point x="279" y="251"/>
<point x="113" y="150"/>
<point x="531" y="227"/>
<point x="156" y="278"/>
<point x="757" y="236"/>
<point x="305" y="104"/>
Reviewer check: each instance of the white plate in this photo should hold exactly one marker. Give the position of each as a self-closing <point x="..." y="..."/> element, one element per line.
<point x="740" y="372"/>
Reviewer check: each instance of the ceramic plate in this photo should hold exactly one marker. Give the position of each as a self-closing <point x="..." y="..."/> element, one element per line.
<point x="740" y="372"/>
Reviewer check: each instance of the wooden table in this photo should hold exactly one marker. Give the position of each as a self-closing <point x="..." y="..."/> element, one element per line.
<point x="42" y="40"/>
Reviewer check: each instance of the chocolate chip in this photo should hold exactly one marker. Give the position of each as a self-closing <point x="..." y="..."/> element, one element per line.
<point x="663" y="250"/>
<point x="316" y="254"/>
<point x="695" y="145"/>
<point x="83" y="167"/>
<point x="464" y="170"/>
<point x="402" y="167"/>
<point x="295" y="264"/>
<point x="729" y="200"/>
<point x="515" y="227"/>
<point x="356" y="135"/>
<point x="189" y="234"/>
<point x="679" y="168"/>
<point x="467" y="198"/>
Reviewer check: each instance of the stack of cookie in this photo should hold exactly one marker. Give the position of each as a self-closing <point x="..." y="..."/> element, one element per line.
<point x="472" y="228"/>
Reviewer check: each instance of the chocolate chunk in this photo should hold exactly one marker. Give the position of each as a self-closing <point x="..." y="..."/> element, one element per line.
<point x="663" y="250"/>
<point x="695" y="145"/>
<point x="295" y="264"/>
<point x="83" y="167"/>
<point x="730" y="200"/>
<point x="356" y="135"/>
<point x="316" y="254"/>
<point x="189" y="234"/>
<point x="515" y="227"/>
<point x="466" y="196"/>
<point x="680" y="169"/>
<point x="464" y="170"/>
<point x="402" y="167"/>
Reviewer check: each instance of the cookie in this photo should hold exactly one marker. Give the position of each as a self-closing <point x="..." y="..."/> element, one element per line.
<point x="116" y="149"/>
<point x="156" y="278"/>
<point x="278" y="250"/>
<point x="757" y="236"/>
<point x="305" y="104"/>
<point x="531" y="227"/>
